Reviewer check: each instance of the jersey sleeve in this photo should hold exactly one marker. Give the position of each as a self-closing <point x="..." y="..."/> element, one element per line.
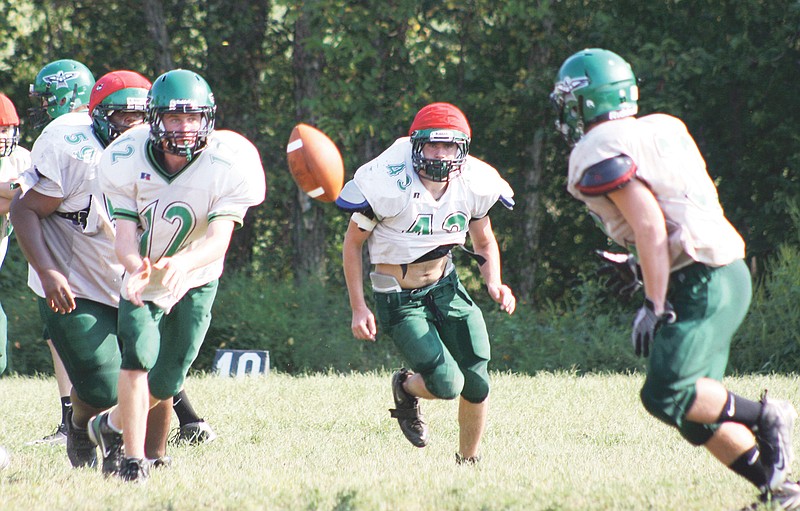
<point x="117" y="183"/>
<point x="487" y="187"/>
<point x="385" y="181"/>
<point x="244" y="185"/>
<point x="46" y="165"/>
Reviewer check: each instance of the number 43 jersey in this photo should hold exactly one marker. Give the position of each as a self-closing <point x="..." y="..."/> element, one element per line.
<point x="173" y="211"/>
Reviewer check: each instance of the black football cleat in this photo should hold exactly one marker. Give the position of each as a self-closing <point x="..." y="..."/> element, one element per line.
<point x="407" y="411"/>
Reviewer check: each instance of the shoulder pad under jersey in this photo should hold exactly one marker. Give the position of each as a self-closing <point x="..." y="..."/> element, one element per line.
<point x="351" y="198"/>
<point x="606" y="176"/>
<point x="484" y="180"/>
<point x="385" y="181"/>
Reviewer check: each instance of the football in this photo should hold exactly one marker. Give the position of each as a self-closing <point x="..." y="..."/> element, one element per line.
<point x="315" y="163"/>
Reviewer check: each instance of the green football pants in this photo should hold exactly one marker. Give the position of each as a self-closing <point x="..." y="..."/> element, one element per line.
<point x="710" y="304"/>
<point x="441" y="333"/>
<point x="86" y="341"/>
<point x="164" y="344"/>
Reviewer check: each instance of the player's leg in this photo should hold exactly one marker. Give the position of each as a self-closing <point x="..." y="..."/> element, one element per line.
<point x="59" y="436"/>
<point x="155" y="442"/>
<point x="86" y="343"/>
<point x="139" y="333"/>
<point x="192" y="428"/>
<point x="184" y="331"/>
<point x="464" y="335"/>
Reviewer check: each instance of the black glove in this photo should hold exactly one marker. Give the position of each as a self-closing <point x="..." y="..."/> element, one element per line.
<point x="621" y="271"/>
<point x="646" y="324"/>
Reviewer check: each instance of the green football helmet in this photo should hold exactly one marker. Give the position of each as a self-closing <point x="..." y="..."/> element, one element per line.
<point x="439" y="122"/>
<point x="59" y="88"/>
<point x="117" y="92"/>
<point x="176" y="92"/>
<point x="593" y="85"/>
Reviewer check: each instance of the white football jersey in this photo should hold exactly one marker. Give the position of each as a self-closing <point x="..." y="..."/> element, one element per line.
<point x="64" y="160"/>
<point x="173" y="211"/>
<point x="409" y="221"/>
<point x="11" y="168"/>
<point x="669" y="162"/>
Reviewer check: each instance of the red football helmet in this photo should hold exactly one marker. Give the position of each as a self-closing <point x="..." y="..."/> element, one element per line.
<point x="9" y="138"/>
<point x="117" y="91"/>
<point x="439" y="122"/>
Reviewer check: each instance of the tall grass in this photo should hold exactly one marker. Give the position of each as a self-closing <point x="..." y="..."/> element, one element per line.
<point x="555" y="441"/>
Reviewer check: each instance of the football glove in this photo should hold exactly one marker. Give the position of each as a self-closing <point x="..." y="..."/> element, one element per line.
<point x="646" y="324"/>
<point x="621" y="272"/>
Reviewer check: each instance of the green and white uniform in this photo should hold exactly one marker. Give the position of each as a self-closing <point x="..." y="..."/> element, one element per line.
<point x="439" y="329"/>
<point x="173" y="213"/>
<point x="710" y="286"/>
<point x="11" y="167"/>
<point x="80" y="237"/>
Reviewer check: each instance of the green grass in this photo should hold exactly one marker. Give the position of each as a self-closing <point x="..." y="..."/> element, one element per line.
<point x="554" y="441"/>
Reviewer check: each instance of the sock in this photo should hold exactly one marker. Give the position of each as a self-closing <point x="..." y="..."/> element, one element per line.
<point x="741" y="410"/>
<point x="749" y="466"/>
<point x="66" y="404"/>
<point x="183" y="409"/>
<point x="113" y="426"/>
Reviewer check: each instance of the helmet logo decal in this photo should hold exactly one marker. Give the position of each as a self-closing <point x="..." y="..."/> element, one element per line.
<point x="567" y="85"/>
<point x="60" y="79"/>
<point x="182" y="103"/>
<point x="396" y="168"/>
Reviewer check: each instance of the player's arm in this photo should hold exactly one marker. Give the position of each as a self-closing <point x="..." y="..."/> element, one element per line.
<point x="484" y="244"/>
<point x="642" y="212"/>
<point x="26" y="212"/>
<point x="363" y="321"/>
<point x="126" y="247"/>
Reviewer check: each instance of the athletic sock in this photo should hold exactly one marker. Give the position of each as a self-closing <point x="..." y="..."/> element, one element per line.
<point x="749" y="466"/>
<point x="741" y="410"/>
<point x="183" y="409"/>
<point x="66" y="404"/>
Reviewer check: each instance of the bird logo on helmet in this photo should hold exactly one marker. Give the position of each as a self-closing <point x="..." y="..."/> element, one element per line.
<point x="9" y="138"/>
<point x="436" y="123"/>
<point x="117" y="91"/>
<point x="59" y="88"/>
<point x="180" y="92"/>
<point x="592" y="86"/>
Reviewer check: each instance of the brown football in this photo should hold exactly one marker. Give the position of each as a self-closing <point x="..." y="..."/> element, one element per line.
<point x="315" y="163"/>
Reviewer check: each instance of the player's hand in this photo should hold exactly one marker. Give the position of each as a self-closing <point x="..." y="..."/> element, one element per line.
<point x="57" y="291"/>
<point x="363" y="324"/>
<point x="646" y="324"/>
<point x="137" y="281"/>
<point x="502" y="294"/>
<point x="174" y="277"/>
<point x="621" y="272"/>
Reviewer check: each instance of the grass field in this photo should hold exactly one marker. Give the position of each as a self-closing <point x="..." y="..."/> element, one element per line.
<point x="326" y="442"/>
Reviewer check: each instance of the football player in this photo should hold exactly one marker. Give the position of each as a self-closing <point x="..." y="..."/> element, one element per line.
<point x="61" y="87"/>
<point x="646" y="181"/>
<point x="412" y="205"/>
<point x="64" y="231"/>
<point x="177" y="189"/>
<point x="14" y="160"/>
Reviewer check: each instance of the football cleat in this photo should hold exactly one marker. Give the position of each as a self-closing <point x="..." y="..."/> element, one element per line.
<point x="471" y="460"/>
<point x="134" y="470"/>
<point x="81" y="451"/>
<point x="57" y="437"/>
<point x="407" y="411"/>
<point x="193" y="433"/>
<point x="785" y="497"/>
<point x="109" y="442"/>
<point x="160" y="462"/>
<point x="774" y="436"/>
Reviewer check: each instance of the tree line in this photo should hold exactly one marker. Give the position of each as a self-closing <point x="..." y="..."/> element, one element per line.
<point x="360" y="70"/>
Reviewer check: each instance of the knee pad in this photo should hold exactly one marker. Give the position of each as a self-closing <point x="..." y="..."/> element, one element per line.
<point x="445" y="381"/>
<point x="476" y="385"/>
